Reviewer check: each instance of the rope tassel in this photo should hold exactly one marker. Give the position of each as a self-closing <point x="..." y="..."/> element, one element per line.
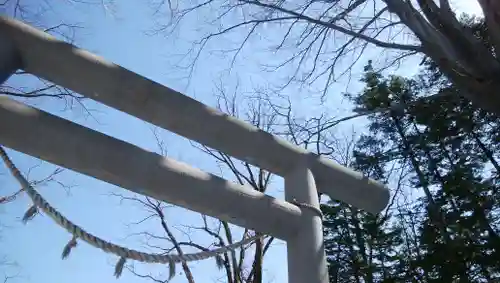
<point x="219" y="261"/>
<point x="124" y="253"/>
<point x="171" y="270"/>
<point x="119" y="267"/>
<point x="30" y="213"/>
<point x="67" y="249"/>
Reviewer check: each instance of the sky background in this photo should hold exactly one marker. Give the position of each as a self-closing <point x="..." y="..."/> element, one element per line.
<point x="121" y="36"/>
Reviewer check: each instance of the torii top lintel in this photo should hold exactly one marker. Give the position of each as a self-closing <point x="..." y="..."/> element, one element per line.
<point x="105" y="82"/>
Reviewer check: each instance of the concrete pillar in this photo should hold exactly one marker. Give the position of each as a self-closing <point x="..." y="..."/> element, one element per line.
<point x="305" y="252"/>
<point x="10" y="60"/>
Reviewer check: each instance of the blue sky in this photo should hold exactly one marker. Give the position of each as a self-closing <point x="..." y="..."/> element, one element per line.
<point x="120" y="37"/>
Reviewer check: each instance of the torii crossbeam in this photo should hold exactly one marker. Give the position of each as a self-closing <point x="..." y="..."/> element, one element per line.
<point x="48" y="137"/>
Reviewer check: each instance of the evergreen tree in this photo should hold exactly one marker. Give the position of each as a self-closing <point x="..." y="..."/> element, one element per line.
<point x="362" y="247"/>
<point x="450" y="233"/>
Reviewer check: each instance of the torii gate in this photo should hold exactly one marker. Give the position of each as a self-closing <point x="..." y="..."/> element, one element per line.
<point x="67" y="144"/>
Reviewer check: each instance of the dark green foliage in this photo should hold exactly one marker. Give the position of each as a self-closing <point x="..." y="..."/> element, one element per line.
<point x="442" y="155"/>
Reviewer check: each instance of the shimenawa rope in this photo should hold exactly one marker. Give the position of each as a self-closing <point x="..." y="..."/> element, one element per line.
<point x="122" y="252"/>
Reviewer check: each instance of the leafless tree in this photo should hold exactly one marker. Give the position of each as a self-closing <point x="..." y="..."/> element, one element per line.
<point x="245" y="265"/>
<point x="317" y="134"/>
<point x="326" y="38"/>
<point x="238" y="266"/>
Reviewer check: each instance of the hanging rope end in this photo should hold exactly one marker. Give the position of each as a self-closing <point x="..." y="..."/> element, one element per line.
<point x="219" y="261"/>
<point x="171" y="268"/>
<point x="30" y="213"/>
<point x="119" y="267"/>
<point x="69" y="246"/>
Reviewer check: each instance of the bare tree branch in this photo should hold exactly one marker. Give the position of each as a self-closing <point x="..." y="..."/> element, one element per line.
<point x="308" y="28"/>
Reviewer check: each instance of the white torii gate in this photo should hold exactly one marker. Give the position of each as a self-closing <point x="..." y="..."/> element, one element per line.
<point x="62" y="142"/>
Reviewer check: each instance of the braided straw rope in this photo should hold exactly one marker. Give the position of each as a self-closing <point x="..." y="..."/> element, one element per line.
<point x="122" y="252"/>
<point x="309" y="206"/>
